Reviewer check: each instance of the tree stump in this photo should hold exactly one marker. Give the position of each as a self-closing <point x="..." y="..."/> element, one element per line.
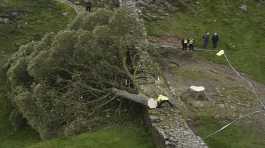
<point x="198" y="92"/>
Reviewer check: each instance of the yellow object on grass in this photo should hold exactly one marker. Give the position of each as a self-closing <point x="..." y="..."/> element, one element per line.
<point x="162" y="98"/>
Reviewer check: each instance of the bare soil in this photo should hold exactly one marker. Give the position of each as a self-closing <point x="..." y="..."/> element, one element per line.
<point x="227" y="96"/>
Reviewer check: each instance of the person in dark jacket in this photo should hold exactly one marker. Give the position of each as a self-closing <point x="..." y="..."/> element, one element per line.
<point x="215" y="40"/>
<point x="206" y="38"/>
<point x="184" y="44"/>
<point x="88" y="5"/>
<point x="191" y="44"/>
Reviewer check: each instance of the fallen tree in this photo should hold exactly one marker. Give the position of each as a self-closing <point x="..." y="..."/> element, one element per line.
<point x="63" y="84"/>
<point x="138" y="98"/>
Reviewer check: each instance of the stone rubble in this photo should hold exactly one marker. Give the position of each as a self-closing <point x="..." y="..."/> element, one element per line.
<point x="170" y="130"/>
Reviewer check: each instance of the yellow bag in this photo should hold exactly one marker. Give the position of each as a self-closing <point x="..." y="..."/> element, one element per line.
<point x="220" y="53"/>
<point x="162" y="98"/>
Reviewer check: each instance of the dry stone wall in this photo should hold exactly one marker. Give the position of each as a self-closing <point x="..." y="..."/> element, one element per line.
<point x="169" y="128"/>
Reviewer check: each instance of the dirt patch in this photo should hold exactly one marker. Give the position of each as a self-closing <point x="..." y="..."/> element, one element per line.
<point x="166" y="40"/>
<point x="229" y="97"/>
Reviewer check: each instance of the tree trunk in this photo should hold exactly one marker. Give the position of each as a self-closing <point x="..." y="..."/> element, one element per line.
<point x="138" y="98"/>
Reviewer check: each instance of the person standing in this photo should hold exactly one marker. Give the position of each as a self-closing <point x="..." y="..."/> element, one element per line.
<point x="206" y="38"/>
<point x="191" y="44"/>
<point x="88" y="5"/>
<point x="184" y="44"/>
<point x="215" y="40"/>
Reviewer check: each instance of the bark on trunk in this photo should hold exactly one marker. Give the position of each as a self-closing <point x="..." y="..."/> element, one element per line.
<point x="138" y="98"/>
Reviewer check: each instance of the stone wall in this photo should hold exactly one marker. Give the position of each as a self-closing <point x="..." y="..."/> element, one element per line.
<point x="169" y="129"/>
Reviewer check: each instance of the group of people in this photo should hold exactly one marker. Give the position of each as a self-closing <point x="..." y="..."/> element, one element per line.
<point x="188" y="44"/>
<point x="206" y="39"/>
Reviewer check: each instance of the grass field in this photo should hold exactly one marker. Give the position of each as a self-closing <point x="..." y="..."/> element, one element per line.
<point x="236" y="136"/>
<point x="114" y="137"/>
<point x="242" y="33"/>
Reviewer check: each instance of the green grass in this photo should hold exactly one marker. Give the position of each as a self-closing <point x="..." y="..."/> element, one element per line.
<point x="19" y="139"/>
<point x="38" y="18"/>
<point x="242" y="33"/>
<point x="114" y="137"/>
<point x="235" y="136"/>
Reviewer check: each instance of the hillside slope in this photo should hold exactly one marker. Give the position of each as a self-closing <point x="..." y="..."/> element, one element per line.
<point x="241" y="31"/>
<point x="242" y="34"/>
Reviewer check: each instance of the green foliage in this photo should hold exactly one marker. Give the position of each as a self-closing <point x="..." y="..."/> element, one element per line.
<point x="110" y="4"/>
<point x="36" y="17"/>
<point x="60" y="82"/>
<point x="18" y="74"/>
<point x="98" y="18"/>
